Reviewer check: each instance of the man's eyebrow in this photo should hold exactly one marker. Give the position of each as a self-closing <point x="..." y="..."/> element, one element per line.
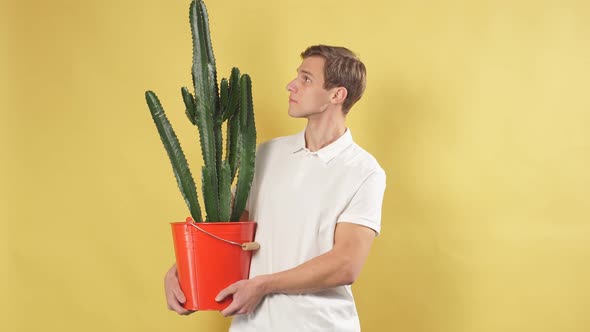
<point x="305" y="72"/>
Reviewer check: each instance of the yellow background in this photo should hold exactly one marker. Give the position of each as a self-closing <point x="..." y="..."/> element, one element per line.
<point x="477" y="110"/>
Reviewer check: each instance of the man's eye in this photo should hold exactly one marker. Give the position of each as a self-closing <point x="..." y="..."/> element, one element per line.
<point x="306" y="79"/>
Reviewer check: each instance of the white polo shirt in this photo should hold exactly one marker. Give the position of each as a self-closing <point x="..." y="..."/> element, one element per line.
<point x="297" y="197"/>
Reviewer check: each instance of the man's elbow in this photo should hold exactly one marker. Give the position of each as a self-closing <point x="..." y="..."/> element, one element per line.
<point x="349" y="272"/>
<point x="347" y="280"/>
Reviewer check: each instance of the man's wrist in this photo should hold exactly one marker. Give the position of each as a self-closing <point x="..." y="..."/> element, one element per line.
<point x="265" y="284"/>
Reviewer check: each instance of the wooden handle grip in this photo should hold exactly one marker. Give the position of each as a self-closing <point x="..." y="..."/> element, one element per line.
<point x="248" y="246"/>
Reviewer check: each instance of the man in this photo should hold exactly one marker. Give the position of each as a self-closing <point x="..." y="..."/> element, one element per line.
<point x="317" y="198"/>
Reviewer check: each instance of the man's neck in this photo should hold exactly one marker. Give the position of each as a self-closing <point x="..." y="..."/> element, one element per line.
<point x="320" y="132"/>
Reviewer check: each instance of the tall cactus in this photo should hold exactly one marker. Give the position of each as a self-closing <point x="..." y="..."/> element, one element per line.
<point x="208" y="109"/>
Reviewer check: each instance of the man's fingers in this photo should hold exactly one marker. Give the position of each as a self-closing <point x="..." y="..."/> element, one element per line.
<point x="177" y="307"/>
<point x="220" y="296"/>
<point x="229" y="310"/>
<point x="174" y="295"/>
<point x="179" y="294"/>
<point x="224" y="293"/>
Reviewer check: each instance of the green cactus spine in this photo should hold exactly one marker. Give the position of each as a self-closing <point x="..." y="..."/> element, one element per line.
<point x="209" y="107"/>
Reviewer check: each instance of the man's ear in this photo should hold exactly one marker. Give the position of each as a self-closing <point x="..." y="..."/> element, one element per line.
<point x="339" y="95"/>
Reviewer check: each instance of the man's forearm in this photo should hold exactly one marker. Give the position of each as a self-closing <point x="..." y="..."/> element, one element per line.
<point x="329" y="270"/>
<point x="340" y="266"/>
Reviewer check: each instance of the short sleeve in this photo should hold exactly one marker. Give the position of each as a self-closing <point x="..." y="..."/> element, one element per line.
<point x="365" y="206"/>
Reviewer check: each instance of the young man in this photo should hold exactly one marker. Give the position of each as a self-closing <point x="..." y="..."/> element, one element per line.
<point x="317" y="198"/>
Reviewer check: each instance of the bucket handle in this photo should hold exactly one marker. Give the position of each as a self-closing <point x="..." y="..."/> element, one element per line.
<point x="246" y="246"/>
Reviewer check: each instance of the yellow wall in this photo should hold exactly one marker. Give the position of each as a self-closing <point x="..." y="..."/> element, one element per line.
<point x="477" y="110"/>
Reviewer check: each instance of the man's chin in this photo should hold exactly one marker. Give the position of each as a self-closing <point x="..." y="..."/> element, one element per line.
<point x="298" y="115"/>
<point x="294" y="115"/>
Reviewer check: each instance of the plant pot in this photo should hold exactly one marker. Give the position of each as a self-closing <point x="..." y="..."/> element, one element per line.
<point x="206" y="264"/>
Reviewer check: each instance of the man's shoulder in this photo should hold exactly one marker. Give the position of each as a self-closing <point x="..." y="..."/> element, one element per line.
<point x="360" y="159"/>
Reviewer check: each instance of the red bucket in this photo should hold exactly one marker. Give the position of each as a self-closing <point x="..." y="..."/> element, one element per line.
<point x="209" y="257"/>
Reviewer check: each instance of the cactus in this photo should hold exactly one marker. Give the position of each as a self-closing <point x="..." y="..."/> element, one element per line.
<point x="208" y="108"/>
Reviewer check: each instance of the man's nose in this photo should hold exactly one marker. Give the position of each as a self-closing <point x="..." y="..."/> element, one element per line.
<point x="291" y="86"/>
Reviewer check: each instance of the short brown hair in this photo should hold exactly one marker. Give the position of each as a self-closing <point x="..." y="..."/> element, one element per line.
<point x="342" y="69"/>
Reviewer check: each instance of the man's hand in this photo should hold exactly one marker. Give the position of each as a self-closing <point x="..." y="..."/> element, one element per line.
<point x="247" y="294"/>
<point x="174" y="295"/>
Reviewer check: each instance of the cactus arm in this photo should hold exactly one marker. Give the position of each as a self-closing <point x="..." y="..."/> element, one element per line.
<point x="225" y="192"/>
<point x="189" y="103"/>
<point x="204" y="68"/>
<point x="233" y="145"/>
<point x="204" y="59"/>
<point x="233" y="123"/>
<point x="212" y="67"/>
<point x="206" y="95"/>
<point x="184" y="178"/>
<point x="202" y="77"/>
<point x="247" y="148"/>
<point x="233" y="93"/>
<point x="210" y="198"/>
<point x="225" y="173"/>
<point x="223" y="98"/>
<point x="223" y="105"/>
<point x="214" y="94"/>
<point x="210" y="189"/>
<point x="218" y="152"/>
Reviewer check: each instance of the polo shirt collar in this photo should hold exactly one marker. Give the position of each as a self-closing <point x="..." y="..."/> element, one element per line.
<point x="327" y="153"/>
